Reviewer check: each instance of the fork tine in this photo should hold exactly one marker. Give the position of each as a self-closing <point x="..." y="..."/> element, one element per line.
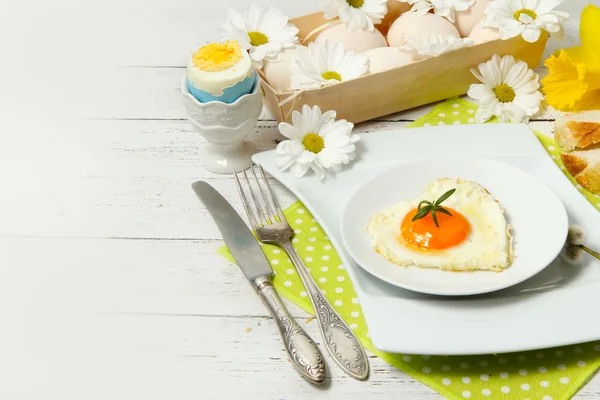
<point x="261" y="197"/>
<point x="257" y="200"/>
<point x="267" y="195"/>
<point x="245" y="202"/>
<point x="276" y="208"/>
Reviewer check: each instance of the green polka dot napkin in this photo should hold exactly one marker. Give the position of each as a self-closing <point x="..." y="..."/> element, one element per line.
<point x="552" y="374"/>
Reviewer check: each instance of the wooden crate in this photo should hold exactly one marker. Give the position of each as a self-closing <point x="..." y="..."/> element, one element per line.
<point x="399" y="89"/>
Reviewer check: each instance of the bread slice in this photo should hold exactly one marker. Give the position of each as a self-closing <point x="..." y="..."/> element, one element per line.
<point x="585" y="167"/>
<point x="577" y="131"/>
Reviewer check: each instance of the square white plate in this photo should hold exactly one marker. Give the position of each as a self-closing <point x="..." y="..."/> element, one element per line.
<point x="554" y="308"/>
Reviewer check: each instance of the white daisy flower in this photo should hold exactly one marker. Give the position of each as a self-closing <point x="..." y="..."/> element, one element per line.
<point x="325" y="63"/>
<point x="316" y="141"/>
<point x="526" y="18"/>
<point x="509" y="90"/>
<point x="357" y="14"/>
<point x="262" y="31"/>
<point x="443" y="8"/>
<point x="434" y="45"/>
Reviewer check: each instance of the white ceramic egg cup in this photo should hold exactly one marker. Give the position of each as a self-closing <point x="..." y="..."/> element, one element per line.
<point x="224" y="126"/>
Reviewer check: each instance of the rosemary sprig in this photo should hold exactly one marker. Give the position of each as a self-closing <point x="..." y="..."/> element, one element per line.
<point x="425" y="207"/>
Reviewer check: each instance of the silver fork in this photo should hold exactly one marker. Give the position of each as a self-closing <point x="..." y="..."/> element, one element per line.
<point x="270" y="226"/>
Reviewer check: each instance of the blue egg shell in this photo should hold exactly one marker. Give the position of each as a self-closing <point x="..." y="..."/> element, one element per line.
<point x="230" y="94"/>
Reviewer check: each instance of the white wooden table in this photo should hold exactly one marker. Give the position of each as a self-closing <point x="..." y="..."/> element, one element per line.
<point x="110" y="287"/>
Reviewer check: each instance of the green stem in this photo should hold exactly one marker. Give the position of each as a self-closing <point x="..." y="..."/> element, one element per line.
<point x="590" y="251"/>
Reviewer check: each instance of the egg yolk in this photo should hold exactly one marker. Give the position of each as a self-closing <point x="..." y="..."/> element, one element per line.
<point x="217" y="56"/>
<point x="424" y="235"/>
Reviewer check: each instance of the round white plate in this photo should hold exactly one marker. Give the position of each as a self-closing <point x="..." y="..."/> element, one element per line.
<point x="537" y="216"/>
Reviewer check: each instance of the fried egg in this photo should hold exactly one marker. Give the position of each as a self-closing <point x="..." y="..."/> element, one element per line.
<point x="475" y="237"/>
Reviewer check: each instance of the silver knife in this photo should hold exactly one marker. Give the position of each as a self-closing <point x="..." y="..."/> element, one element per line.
<point x="303" y="351"/>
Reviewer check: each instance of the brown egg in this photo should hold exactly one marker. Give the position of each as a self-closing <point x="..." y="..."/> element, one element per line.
<point x="466" y="20"/>
<point x="482" y="34"/>
<point x="395" y="9"/>
<point x="413" y="25"/>
<point x="278" y="72"/>
<point x="359" y="40"/>
<point x="386" y="58"/>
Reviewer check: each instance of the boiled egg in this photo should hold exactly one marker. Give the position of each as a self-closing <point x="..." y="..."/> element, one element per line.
<point x="359" y="40"/>
<point x="220" y="71"/>
<point x="416" y="26"/>
<point x="476" y="236"/>
<point x="278" y="72"/>
<point x="386" y="58"/>
<point x="482" y="34"/>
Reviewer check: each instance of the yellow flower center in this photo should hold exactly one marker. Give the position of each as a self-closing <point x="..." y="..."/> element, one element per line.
<point x="504" y="93"/>
<point x="331" y="75"/>
<point x="525" y="11"/>
<point x="217" y="56"/>
<point x="356" y="3"/>
<point x="258" y="38"/>
<point x="313" y="142"/>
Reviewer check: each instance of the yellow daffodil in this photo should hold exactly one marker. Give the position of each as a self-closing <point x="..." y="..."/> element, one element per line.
<point x="573" y="81"/>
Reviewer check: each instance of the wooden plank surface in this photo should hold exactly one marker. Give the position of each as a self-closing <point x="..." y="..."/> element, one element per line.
<point x="110" y="285"/>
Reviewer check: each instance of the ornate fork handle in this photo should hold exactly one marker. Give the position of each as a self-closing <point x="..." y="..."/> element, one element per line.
<point x="303" y="352"/>
<point x="339" y="339"/>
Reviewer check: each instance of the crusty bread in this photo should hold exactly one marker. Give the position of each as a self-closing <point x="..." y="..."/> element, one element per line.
<point x="578" y="136"/>
<point x="584" y="165"/>
<point x="577" y="131"/>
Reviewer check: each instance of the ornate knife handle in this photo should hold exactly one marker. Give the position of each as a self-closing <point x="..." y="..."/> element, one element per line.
<point x="339" y="339"/>
<point x="303" y="351"/>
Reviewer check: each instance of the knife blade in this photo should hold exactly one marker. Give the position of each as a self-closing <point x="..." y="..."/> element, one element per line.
<point x="302" y="350"/>
<point x="240" y="241"/>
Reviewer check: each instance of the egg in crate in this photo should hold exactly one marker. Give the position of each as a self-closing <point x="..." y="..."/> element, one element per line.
<point x="359" y="40"/>
<point x="482" y="34"/>
<point x="476" y="236"/>
<point x="416" y="26"/>
<point x="386" y="58"/>
<point x="466" y="20"/>
<point x="278" y="72"/>
<point x="395" y="8"/>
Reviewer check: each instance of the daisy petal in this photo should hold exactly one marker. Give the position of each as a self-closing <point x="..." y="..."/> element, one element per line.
<point x="364" y="17"/>
<point x="299" y="156"/>
<point x="548" y="5"/>
<point x="290" y="131"/>
<point x="288" y="153"/>
<point x="328" y="116"/>
<point x="514" y="113"/>
<point x="483" y="115"/>
<point x="269" y="22"/>
<point x="323" y="60"/>
<point x="480" y="92"/>
<point x="499" y="77"/>
<point x="300" y="169"/>
<point x="319" y="170"/>
<point x="531" y="34"/>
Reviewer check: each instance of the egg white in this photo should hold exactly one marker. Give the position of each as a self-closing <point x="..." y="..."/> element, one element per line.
<point x="215" y="82"/>
<point x="488" y="246"/>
